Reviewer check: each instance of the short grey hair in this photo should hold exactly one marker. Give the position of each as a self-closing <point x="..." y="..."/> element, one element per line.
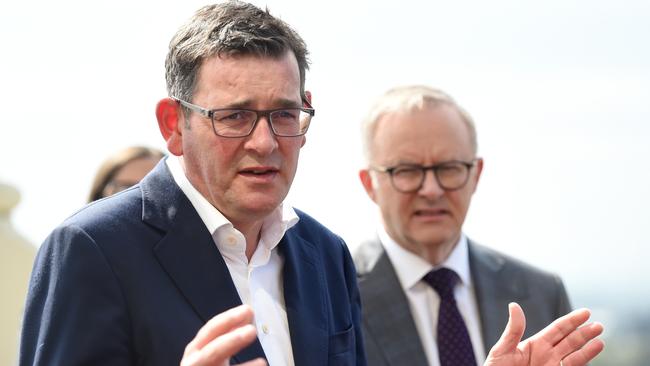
<point x="409" y="98"/>
<point x="233" y="28"/>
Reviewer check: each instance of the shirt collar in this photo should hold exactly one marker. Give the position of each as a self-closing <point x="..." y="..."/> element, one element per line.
<point x="410" y="268"/>
<point x="273" y="227"/>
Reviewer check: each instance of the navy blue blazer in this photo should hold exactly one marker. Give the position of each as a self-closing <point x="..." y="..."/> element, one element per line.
<point x="130" y="279"/>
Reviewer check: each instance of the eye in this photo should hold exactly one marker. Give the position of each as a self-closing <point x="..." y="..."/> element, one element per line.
<point x="406" y="171"/>
<point x="451" y="168"/>
<point x="234" y="115"/>
<point x="285" y="115"/>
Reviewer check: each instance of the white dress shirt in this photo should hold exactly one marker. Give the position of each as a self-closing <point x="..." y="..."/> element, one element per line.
<point x="424" y="301"/>
<point x="258" y="282"/>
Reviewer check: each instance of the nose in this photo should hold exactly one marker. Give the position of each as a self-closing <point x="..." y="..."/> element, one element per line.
<point x="430" y="187"/>
<point x="262" y="140"/>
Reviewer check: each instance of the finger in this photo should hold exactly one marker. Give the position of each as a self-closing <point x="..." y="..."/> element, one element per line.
<point x="563" y="326"/>
<point x="587" y="353"/>
<point x="220" y="349"/>
<point x="578" y="339"/>
<point x="255" y="362"/>
<point x="512" y="334"/>
<point x="220" y="324"/>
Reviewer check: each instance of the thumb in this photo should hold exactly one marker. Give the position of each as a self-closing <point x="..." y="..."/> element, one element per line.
<point x="512" y="334"/>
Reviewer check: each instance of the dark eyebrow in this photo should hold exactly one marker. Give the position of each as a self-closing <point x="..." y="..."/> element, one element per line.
<point x="288" y="103"/>
<point x="280" y="103"/>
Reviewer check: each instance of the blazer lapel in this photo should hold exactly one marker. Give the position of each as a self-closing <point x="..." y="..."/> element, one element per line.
<point x="188" y="253"/>
<point x="304" y="296"/>
<point x="494" y="289"/>
<point x="387" y="316"/>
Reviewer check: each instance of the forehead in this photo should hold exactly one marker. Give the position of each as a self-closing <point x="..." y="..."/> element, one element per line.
<point x="426" y="134"/>
<point x="248" y="77"/>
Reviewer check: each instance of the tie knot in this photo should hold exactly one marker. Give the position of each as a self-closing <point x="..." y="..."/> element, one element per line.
<point x="443" y="281"/>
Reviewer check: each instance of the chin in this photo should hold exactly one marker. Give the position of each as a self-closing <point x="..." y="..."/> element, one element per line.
<point x="431" y="240"/>
<point x="262" y="205"/>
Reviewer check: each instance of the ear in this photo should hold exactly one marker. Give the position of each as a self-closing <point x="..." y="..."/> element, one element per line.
<point x="308" y="96"/>
<point x="366" y="181"/>
<point x="170" y="122"/>
<point x="477" y="176"/>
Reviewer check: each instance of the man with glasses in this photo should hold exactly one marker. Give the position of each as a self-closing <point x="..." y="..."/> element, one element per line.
<point x="422" y="282"/>
<point x="156" y="274"/>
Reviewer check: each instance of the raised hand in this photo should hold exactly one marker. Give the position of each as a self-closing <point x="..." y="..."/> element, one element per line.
<point x="220" y="338"/>
<point x="564" y="342"/>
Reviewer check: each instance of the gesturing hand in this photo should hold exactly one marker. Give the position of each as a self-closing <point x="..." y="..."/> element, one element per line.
<point x="563" y="342"/>
<point x="220" y="338"/>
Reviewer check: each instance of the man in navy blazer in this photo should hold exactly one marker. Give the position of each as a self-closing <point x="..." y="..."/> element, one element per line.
<point x="139" y="278"/>
<point x="102" y="299"/>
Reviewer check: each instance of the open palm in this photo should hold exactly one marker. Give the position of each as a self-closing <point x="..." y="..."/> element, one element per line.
<point x="565" y="340"/>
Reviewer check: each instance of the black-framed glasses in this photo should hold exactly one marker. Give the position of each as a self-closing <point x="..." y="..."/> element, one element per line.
<point x="450" y="175"/>
<point x="240" y="122"/>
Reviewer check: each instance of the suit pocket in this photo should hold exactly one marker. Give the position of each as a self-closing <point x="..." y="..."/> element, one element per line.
<point x="342" y="348"/>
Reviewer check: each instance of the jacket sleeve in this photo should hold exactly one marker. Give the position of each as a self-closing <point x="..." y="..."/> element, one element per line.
<point x="563" y="305"/>
<point x="75" y="312"/>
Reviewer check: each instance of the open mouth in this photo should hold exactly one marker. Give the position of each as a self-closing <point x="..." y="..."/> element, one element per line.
<point x="259" y="172"/>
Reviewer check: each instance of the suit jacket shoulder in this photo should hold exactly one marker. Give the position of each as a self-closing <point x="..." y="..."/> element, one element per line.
<point x="107" y="279"/>
<point x="366" y="256"/>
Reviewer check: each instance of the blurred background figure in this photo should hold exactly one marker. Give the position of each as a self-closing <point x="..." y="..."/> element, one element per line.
<point x="16" y="257"/>
<point x="122" y="170"/>
<point x="432" y="296"/>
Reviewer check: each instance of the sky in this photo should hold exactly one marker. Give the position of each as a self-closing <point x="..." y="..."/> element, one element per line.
<point x="559" y="91"/>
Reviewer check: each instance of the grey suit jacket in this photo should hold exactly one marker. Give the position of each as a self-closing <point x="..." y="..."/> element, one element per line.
<point x="390" y="336"/>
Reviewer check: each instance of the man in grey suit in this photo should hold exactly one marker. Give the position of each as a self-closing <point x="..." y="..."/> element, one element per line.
<point x="422" y="171"/>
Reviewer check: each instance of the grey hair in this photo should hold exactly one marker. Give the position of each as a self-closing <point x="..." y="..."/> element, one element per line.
<point x="233" y="28"/>
<point x="408" y="98"/>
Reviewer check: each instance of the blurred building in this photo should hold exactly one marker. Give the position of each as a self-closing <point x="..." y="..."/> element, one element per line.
<point x="16" y="258"/>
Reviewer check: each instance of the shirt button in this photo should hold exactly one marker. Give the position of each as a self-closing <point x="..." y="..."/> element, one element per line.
<point x="231" y="240"/>
<point x="265" y="329"/>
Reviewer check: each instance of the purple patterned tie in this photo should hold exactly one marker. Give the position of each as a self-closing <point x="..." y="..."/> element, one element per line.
<point x="454" y="345"/>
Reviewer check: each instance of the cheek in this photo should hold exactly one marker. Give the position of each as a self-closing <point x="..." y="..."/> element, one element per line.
<point x="212" y="158"/>
<point x="291" y="151"/>
<point x="459" y="203"/>
<point x="396" y="206"/>
<point x="223" y="150"/>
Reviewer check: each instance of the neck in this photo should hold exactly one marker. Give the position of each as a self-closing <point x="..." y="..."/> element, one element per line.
<point x="433" y="252"/>
<point x="437" y="254"/>
<point x="252" y="233"/>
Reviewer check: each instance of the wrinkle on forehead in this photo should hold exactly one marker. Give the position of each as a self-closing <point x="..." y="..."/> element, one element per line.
<point x="244" y="81"/>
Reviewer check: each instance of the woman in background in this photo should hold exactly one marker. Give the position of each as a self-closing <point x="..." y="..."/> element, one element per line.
<point x="122" y="170"/>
